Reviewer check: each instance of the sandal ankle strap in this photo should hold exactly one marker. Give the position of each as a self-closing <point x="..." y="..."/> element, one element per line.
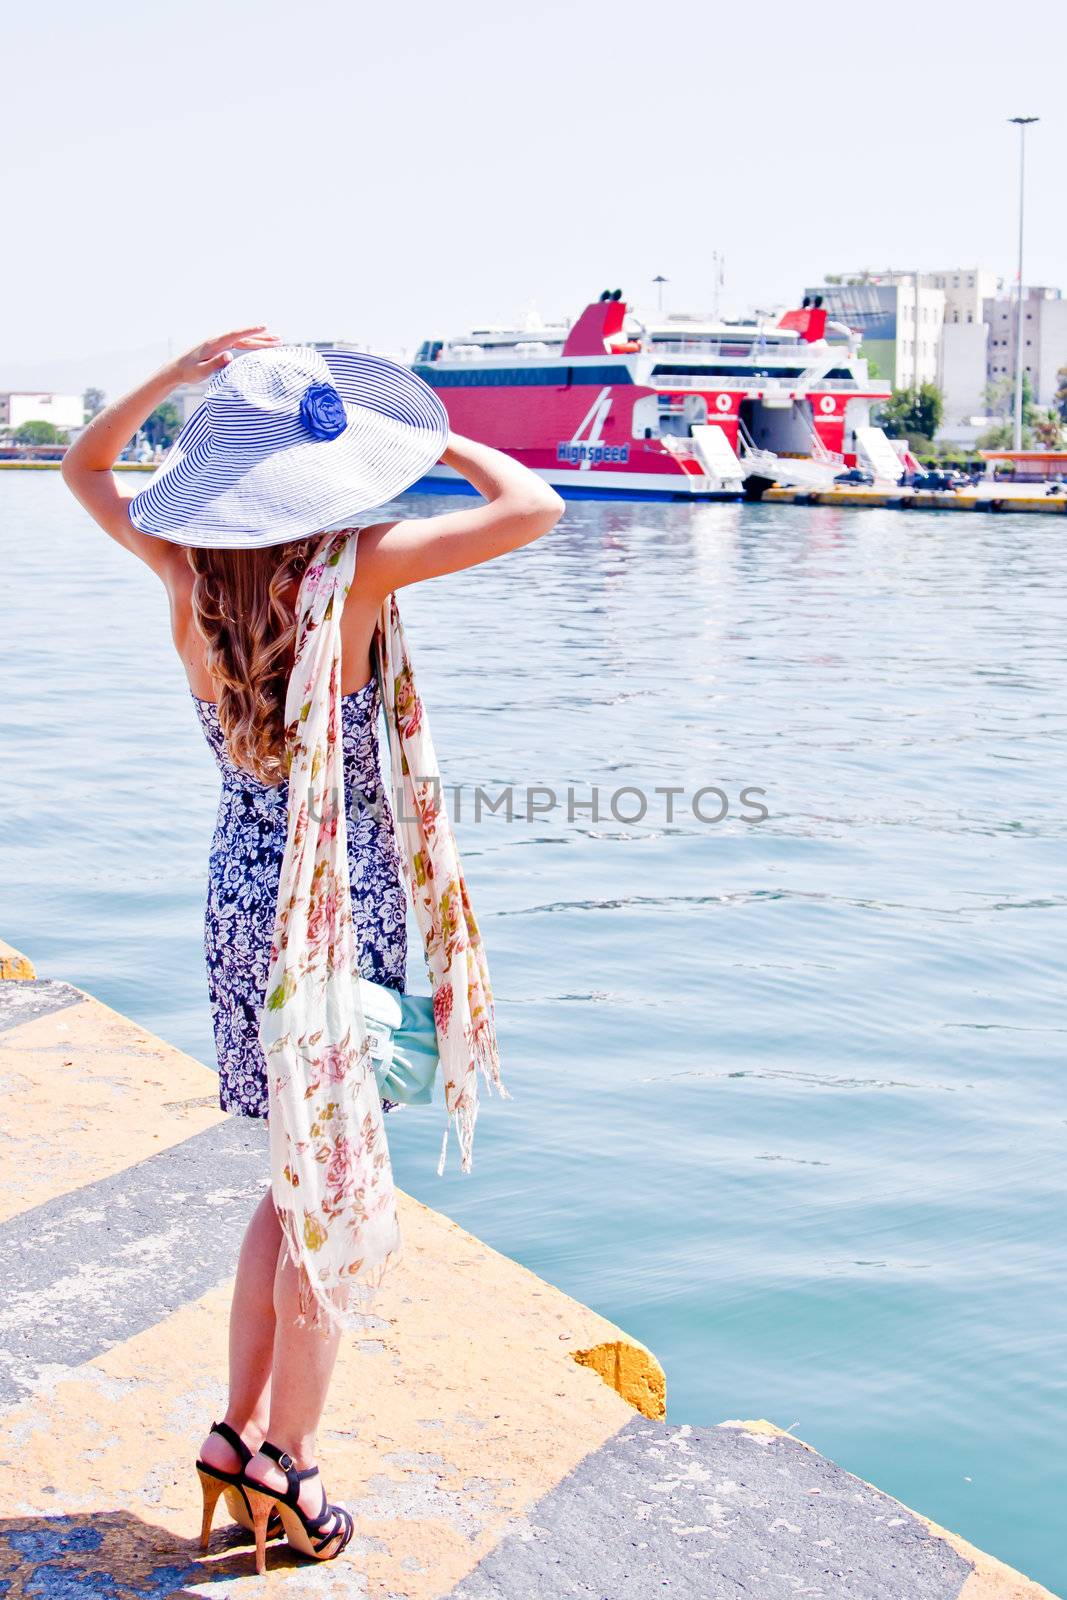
<point x="234" y="1440"/>
<point x="285" y="1460"/>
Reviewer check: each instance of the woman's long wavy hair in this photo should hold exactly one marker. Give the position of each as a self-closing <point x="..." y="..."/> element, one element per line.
<point x="243" y="607"/>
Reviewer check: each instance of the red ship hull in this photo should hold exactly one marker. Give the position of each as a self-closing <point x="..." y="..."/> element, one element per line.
<point x="601" y="413"/>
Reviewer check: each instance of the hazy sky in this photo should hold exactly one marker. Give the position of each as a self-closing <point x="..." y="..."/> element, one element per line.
<point x="383" y="173"/>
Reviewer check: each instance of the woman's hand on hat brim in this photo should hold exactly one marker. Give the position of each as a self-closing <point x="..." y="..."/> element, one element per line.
<point x="214" y="354"/>
<point x="87" y="464"/>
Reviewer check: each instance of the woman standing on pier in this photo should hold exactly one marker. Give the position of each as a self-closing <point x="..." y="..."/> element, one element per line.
<point x="288" y="443"/>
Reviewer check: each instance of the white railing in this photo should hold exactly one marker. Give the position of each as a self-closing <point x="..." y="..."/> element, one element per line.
<point x="813" y="375"/>
<point x="784" y="351"/>
<point x="509" y="353"/>
<point x="748" y="444"/>
<point x="716" y="380"/>
<point x="818" y="450"/>
<point x="854" y="383"/>
<point x="758" y="379"/>
<point x="709" y="380"/>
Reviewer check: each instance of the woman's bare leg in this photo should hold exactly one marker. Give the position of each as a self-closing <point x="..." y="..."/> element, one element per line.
<point x="304" y="1360"/>
<point x="251" y="1337"/>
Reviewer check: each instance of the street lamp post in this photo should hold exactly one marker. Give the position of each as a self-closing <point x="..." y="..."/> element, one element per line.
<point x="1022" y="123"/>
<point x="659" y="280"/>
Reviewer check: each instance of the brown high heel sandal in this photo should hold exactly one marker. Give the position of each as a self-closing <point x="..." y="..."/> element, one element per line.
<point x="322" y="1537"/>
<point x="232" y="1486"/>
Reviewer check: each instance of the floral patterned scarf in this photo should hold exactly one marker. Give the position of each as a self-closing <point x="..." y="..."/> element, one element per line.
<point x="331" y="1174"/>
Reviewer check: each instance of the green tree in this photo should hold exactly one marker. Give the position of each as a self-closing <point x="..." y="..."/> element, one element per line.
<point x="164" y="425"/>
<point x="94" y="401"/>
<point x="1000" y="403"/>
<point x="999" y="437"/>
<point x="1060" y="401"/>
<point x="1000" y="399"/>
<point x="1048" y="429"/>
<point x="914" y="412"/>
<point x="38" y="432"/>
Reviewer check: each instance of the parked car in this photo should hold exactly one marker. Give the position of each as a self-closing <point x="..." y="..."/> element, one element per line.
<point x="938" y="480"/>
<point x="855" y="475"/>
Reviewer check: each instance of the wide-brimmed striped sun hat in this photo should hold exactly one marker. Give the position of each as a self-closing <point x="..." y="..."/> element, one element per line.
<point x="290" y="441"/>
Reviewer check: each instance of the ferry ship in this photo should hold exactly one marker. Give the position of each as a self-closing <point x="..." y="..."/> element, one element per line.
<point x="684" y="407"/>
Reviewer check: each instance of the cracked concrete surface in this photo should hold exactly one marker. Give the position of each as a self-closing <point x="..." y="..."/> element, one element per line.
<point x="502" y="1458"/>
<point x="715" y="1511"/>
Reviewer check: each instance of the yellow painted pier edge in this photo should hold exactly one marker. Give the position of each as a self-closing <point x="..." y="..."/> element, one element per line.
<point x="479" y="1393"/>
<point x="920" y="500"/>
<point x="14" y="965"/>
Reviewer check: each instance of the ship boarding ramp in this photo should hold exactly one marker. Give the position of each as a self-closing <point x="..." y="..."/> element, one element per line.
<point x="716" y="455"/>
<point x="876" y="450"/>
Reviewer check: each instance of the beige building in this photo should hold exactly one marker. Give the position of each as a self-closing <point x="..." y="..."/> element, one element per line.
<point x="962" y="379"/>
<point x="966" y="290"/>
<point x="964" y="348"/>
<point x="1044" y="340"/>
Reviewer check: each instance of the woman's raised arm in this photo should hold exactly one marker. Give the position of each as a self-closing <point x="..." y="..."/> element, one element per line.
<point x="520" y="508"/>
<point x="87" y="465"/>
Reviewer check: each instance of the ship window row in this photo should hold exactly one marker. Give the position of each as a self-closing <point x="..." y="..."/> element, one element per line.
<point x="676" y="370"/>
<point x="525" y="377"/>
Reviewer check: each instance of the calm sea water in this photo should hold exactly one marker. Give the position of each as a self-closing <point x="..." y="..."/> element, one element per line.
<point x="788" y="1094"/>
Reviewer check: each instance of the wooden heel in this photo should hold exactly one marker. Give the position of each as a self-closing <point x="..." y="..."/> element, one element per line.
<point x="211" y="1487"/>
<point x="261" y="1506"/>
<point x="322" y="1536"/>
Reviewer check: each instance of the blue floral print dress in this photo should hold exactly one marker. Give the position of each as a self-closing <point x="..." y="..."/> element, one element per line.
<point x="243" y="876"/>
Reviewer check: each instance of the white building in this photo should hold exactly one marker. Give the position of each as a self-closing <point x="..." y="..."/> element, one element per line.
<point x="898" y="316"/>
<point x="19" y="406"/>
<point x="950" y="301"/>
<point x="966" y="290"/>
<point x="1044" y="340"/>
<point x="964" y="348"/>
<point x="962" y="379"/>
<point x="920" y="317"/>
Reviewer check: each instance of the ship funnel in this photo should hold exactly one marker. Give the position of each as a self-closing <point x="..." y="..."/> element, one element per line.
<point x="808" y="320"/>
<point x="598" y="324"/>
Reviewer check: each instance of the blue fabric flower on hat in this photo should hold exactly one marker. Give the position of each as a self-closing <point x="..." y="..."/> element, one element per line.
<point x="322" y="411"/>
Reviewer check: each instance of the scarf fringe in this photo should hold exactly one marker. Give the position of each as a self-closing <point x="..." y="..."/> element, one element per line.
<point x="486" y="1057"/>
<point x="463" y="1120"/>
<point x="340" y="1310"/>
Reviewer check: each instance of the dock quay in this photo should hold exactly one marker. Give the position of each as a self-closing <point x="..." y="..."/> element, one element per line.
<point x="493" y="1438"/>
<point x="986" y="497"/>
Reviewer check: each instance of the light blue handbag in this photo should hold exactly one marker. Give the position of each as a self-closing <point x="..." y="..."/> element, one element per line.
<point x="403" y="1042"/>
<point x="401" y="1029"/>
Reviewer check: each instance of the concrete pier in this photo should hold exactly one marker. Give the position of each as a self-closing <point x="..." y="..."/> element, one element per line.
<point x="991" y="497"/>
<point x="493" y="1438"/>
